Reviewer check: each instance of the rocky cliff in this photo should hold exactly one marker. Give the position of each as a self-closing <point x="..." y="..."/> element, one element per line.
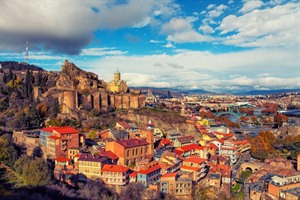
<point x="75" y="79"/>
<point x="166" y="121"/>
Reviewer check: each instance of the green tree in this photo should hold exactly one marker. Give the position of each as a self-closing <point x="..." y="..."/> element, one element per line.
<point x="33" y="172"/>
<point x="260" y="154"/>
<point x="8" y="152"/>
<point x="92" y="134"/>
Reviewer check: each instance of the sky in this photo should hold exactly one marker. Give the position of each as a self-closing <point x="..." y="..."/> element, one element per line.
<point x="213" y="45"/>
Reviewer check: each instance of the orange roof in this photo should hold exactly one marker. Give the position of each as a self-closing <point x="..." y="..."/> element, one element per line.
<point x="49" y="129"/>
<point x="168" y="175"/>
<point x="149" y="170"/>
<point x="212" y="145"/>
<point x="54" y="137"/>
<point x="195" y="159"/>
<point x="62" y="159"/>
<point x="221" y="141"/>
<point x="189" y="168"/>
<point x="114" y="168"/>
<point x="190" y="147"/>
<point x="228" y="148"/>
<point x="65" y="130"/>
<point x="133" y="174"/>
<point x="77" y="155"/>
<point x="165" y="141"/>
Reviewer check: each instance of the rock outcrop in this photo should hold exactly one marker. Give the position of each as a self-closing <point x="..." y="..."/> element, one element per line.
<point x="75" y="79"/>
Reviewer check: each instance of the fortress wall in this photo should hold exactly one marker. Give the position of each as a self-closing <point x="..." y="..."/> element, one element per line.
<point x="142" y="99"/>
<point x="118" y="101"/>
<point x="104" y="101"/>
<point x="97" y="99"/>
<point x="134" y="101"/>
<point x="112" y="100"/>
<point x="69" y="101"/>
<point x="126" y="101"/>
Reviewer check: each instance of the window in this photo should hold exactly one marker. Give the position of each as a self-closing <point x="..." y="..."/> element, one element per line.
<point x="127" y="153"/>
<point x="142" y="150"/>
<point x="136" y="151"/>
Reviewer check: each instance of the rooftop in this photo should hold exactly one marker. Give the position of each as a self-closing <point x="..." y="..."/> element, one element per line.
<point x="66" y="130"/>
<point x="150" y="169"/>
<point x="195" y="159"/>
<point x="132" y="142"/>
<point x="114" y="168"/>
<point x="91" y="157"/>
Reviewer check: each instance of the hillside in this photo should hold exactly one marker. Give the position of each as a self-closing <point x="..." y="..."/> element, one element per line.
<point x="19" y="66"/>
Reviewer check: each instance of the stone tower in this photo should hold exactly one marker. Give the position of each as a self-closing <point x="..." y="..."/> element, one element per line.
<point x="117" y="75"/>
<point x="36" y="93"/>
<point x="150" y="137"/>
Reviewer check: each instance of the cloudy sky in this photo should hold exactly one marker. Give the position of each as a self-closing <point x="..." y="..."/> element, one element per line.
<point x="216" y="45"/>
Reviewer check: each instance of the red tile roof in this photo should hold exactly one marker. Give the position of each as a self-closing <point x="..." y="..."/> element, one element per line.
<point x="62" y="159"/>
<point x="189" y="168"/>
<point x="109" y="155"/>
<point x="169" y="175"/>
<point x="66" y="130"/>
<point x="195" y="159"/>
<point x="114" y="168"/>
<point x="133" y="174"/>
<point x="190" y="147"/>
<point x="132" y="142"/>
<point x="212" y="146"/>
<point x="221" y="141"/>
<point x="149" y="170"/>
<point x="54" y="137"/>
<point x="77" y="155"/>
<point x="49" y="129"/>
<point x="165" y="141"/>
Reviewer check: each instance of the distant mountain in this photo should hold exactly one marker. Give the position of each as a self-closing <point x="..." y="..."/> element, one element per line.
<point x="174" y="92"/>
<point x="19" y="66"/>
<point x="267" y="92"/>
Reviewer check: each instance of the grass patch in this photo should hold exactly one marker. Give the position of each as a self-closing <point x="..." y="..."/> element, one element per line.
<point x="245" y="174"/>
<point x="236" y="188"/>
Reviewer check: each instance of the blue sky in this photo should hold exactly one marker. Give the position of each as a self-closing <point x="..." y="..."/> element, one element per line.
<point x="220" y="46"/>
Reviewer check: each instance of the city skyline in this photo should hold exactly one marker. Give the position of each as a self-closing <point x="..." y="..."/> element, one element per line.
<point x="219" y="46"/>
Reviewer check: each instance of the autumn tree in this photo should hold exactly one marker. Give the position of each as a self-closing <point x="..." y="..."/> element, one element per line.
<point x="279" y="119"/>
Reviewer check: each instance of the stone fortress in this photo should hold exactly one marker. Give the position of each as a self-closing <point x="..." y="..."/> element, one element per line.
<point x="83" y="90"/>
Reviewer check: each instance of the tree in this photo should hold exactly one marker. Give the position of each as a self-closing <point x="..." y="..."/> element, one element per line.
<point x="279" y="119"/>
<point x="92" y="134"/>
<point x="37" y="152"/>
<point x="132" y="191"/>
<point x="260" y="154"/>
<point x="8" y="152"/>
<point x="95" y="189"/>
<point x="33" y="172"/>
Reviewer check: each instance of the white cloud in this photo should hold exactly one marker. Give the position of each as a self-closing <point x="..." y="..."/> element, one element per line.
<point x="156" y="41"/>
<point x="251" y="5"/>
<point x="169" y="45"/>
<point x="101" y="52"/>
<point x="210" y="6"/>
<point x="263" y="28"/>
<point x="180" y="30"/>
<point x="230" y="1"/>
<point x="206" y="29"/>
<point x="205" y="70"/>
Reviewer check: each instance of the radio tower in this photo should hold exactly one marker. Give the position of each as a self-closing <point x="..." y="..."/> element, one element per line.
<point x="26" y="57"/>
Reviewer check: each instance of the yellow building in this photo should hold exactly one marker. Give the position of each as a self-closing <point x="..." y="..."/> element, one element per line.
<point x="117" y="85"/>
<point x="90" y="165"/>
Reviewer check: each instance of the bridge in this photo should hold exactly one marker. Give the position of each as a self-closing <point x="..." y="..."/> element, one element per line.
<point x="238" y="115"/>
